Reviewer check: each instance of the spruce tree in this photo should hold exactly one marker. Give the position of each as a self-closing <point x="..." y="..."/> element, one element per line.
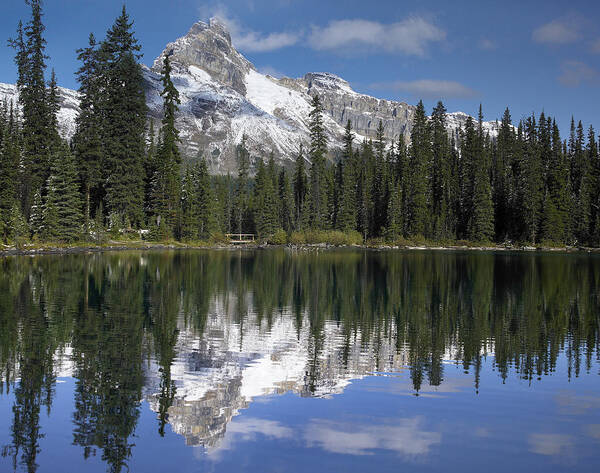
<point x="286" y="202"/>
<point x="205" y="202"/>
<point x="481" y="224"/>
<point x="87" y="141"/>
<point x="39" y="129"/>
<point x="346" y="218"/>
<point x="420" y="152"/>
<point x="441" y="209"/>
<point x="300" y="190"/>
<point x="124" y="123"/>
<point x="502" y="178"/>
<point x="242" y="196"/>
<point x="9" y="165"/>
<point x="189" y="211"/>
<point x="555" y="219"/>
<point x="62" y="217"/>
<point x="166" y="181"/>
<point x="318" y="152"/>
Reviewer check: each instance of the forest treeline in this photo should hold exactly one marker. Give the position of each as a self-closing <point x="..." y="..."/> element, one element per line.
<point x="121" y="173"/>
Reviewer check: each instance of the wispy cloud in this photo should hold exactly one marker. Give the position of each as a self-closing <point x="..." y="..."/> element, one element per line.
<point x="429" y="88"/>
<point x="247" y="429"/>
<point x="596" y="46"/>
<point x="487" y="44"/>
<point x="559" y="31"/>
<point x="405" y="437"/>
<point x="411" y="36"/>
<point x="550" y="444"/>
<point x="247" y="39"/>
<point x="576" y="73"/>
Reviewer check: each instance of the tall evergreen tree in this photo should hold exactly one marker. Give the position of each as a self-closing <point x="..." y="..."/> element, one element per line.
<point x="87" y="141"/>
<point x="124" y="123"/>
<point x="300" y="189"/>
<point x="166" y="181"/>
<point x="346" y="217"/>
<point x="39" y="129"/>
<point x="242" y="194"/>
<point x="420" y="152"/>
<point x="441" y="209"/>
<point x="62" y="210"/>
<point x="318" y="154"/>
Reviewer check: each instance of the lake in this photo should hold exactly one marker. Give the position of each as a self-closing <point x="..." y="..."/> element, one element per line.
<point x="294" y="361"/>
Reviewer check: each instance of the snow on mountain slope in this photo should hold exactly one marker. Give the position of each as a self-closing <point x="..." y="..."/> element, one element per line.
<point x="224" y="97"/>
<point x="69" y="106"/>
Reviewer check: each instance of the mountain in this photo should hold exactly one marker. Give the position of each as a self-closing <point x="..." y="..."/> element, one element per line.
<point x="223" y="97"/>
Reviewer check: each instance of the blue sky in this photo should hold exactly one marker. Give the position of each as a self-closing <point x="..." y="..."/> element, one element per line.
<point x="528" y="55"/>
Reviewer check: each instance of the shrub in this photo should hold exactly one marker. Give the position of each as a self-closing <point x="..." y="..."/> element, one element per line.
<point x="278" y="238"/>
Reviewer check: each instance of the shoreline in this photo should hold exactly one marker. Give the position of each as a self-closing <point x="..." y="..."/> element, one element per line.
<point x="146" y="246"/>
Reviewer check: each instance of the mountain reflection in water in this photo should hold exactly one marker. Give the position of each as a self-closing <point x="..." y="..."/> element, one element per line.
<point x="199" y="336"/>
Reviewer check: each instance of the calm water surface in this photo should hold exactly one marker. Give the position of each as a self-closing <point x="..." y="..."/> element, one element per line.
<point x="312" y="361"/>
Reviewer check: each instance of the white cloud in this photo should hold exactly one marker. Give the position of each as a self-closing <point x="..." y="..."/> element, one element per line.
<point x="271" y="71"/>
<point x="411" y="36"/>
<point x="596" y="46"/>
<point x="246" y="39"/>
<point x="429" y="88"/>
<point x="560" y="31"/>
<point x="575" y="73"/>
<point x="247" y="429"/>
<point x="404" y="437"/>
<point x="550" y="444"/>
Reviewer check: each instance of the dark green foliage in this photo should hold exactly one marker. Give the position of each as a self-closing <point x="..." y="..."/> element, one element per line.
<point x="165" y="194"/>
<point x="87" y="142"/>
<point x="62" y="209"/>
<point x="300" y="191"/>
<point x="124" y="106"/>
<point x="241" y="204"/>
<point x="346" y="215"/>
<point x="318" y="192"/>
<point x="420" y="158"/>
<point x="38" y="105"/>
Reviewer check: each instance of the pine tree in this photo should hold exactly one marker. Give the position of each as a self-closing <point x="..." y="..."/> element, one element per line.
<point x="189" y="213"/>
<point x="555" y="219"/>
<point x="594" y="162"/>
<point x="502" y="177"/>
<point x="62" y="216"/>
<point x="481" y="224"/>
<point x="346" y="218"/>
<point x="441" y="209"/>
<point x="318" y="152"/>
<point x="395" y="225"/>
<point x="286" y="202"/>
<point x="242" y="196"/>
<point x="124" y="123"/>
<point x="36" y="216"/>
<point x="533" y="182"/>
<point x="87" y="141"/>
<point x="581" y="181"/>
<point x="166" y="182"/>
<point x="420" y="152"/>
<point x="300" y="190"/>
<point x="379" y="192"/>
<point x="205" y="201"/>
<point x="39" y="129"/>
<point x="9" y="163"/>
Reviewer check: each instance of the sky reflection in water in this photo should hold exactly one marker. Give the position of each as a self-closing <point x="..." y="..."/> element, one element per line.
<point x="281" y="361"/>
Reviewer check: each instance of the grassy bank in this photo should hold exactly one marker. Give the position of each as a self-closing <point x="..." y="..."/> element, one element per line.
<point x="307" y="239"/>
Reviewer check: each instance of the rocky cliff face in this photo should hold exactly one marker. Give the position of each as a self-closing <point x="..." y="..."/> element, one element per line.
<point x="224" y="97"/>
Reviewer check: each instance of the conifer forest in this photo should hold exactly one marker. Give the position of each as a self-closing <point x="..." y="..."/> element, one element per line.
<point x="123" y="176"/>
